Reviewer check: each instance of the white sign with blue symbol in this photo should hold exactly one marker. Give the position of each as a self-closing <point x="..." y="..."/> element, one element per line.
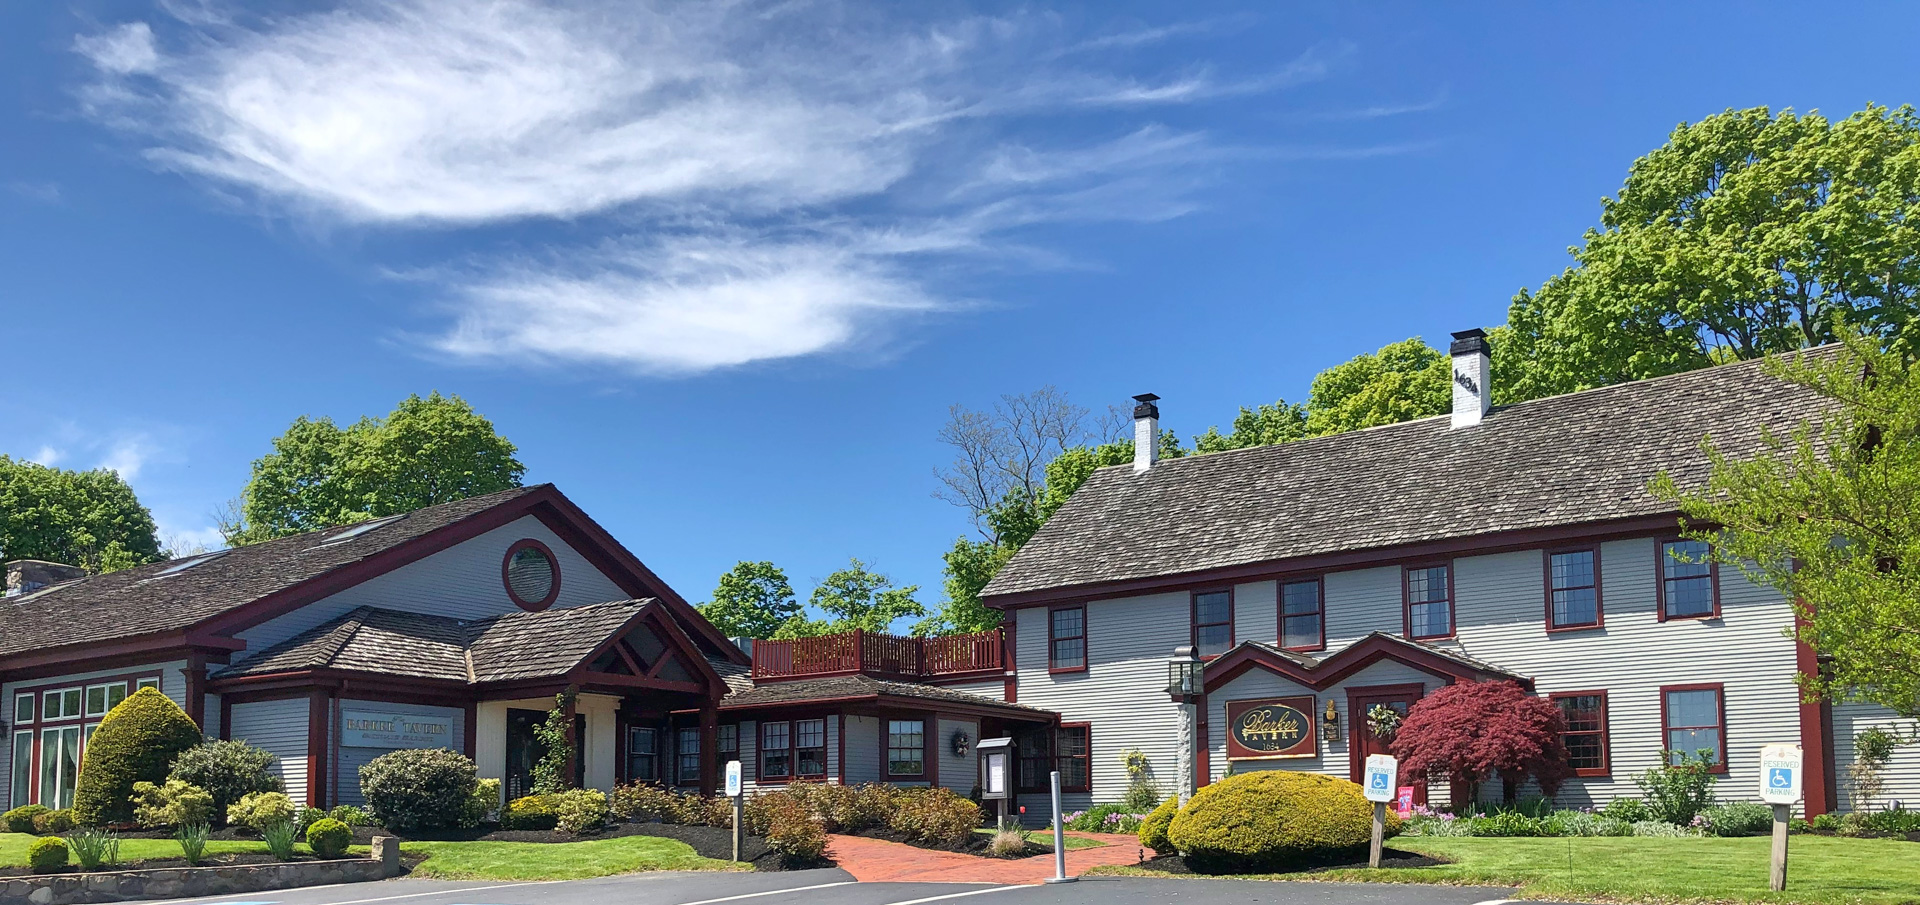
<point x="1382" y="777"/>
<point x="1780" y="774"/>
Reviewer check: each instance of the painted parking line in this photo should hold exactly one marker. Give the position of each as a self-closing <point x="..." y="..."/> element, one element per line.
<point x="459" y="890"/>
<point x="956" y="895"/>
<point x="770" y="892"/>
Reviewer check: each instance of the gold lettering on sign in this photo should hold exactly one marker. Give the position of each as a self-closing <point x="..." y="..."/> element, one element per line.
<point x="1277" y="728"/>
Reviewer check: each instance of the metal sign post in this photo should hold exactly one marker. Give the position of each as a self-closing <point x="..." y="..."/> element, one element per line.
<point x="1381" y="786"/>
<point x="1059" y="838"/>
<point x="1780" y="787"/>
<point x="734" y="791"/>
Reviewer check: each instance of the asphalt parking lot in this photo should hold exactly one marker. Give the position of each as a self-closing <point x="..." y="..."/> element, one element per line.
<point x="835" y="887"/>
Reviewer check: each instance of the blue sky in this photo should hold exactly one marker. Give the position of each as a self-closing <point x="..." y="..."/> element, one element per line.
<point x="720" y="270"/>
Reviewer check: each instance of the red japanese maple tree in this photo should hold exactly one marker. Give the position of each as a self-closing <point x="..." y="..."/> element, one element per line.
<point x="1472" y="731"/>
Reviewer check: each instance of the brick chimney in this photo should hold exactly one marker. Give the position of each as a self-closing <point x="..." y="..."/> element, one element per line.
<point x="25" y="576"/>
<point x="1472" y="377"/>
<point x="1146" y="432"/>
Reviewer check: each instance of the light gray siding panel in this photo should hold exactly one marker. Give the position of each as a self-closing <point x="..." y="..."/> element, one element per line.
<point x="1256" y="612"/>
<point x="863" y="749"/>
<point x="345" y="779"/>
<point x="991" y="689"/>
<point x="958" y="772"/>
<point x="749" y="754"/>
<point x="279" y="727"/>
<point x="1362" y="601"/>
<point x="1899" y="780"/>
<point x="462" y="581"/>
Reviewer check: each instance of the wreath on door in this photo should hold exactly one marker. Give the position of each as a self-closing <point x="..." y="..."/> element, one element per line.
<point x="1383" y="721"/>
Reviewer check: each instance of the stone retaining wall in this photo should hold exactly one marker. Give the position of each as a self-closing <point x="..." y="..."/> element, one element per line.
<point x="179" y="882"/>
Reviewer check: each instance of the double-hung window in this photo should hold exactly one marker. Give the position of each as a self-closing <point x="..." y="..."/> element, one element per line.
<point x="906" y="747"/>
<point x="1067" y="639"/>
<point x="1585" y="713"/>
<point x="1693" y="719"/>
<point x="1302" y="623"/>
<point x="689" y="756"/>
<point x="1429" y="591"/>
<point x="1073" y="757"/>
<point x="810" y="748"/>
<point x="643" y="754"/>
<point x="1573" y="589"/>
<point x="1212" y="622"/>
<point x="1688" y="586"/>
<point x="776" y="750"/>
<point x="728" y="742"/>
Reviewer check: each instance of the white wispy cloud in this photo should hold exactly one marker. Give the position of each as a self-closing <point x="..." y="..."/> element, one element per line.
<point x="740" y="182"/>
<point x="127" y="456"/>
<point x="46" y="455"/>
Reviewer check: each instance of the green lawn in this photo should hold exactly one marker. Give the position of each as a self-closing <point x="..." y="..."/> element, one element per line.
<point x="1045" y="837"/>
<point x="557" y="860"/>
<point x="1823" y="870"/>
<point x="13" y="848"/>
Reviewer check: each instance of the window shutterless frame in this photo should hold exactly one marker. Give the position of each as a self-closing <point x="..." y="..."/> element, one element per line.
<point x="1433" y="581"/>
<point x="1671" y="579"/>
<point x="776" y="747"/>
<point x="22" y="709"/>
<point x="1073" y="756"/>
<point x="1669" y="721"/>
<point x="1212" y="620"/>
<point x="1067" y="639"/>
<point x="1570" y="583"/>
<point x="810" y="749"/>
<point x="1315" y="636"/>
<point x="1587" y="734"/>
<point x="904" y="742"/>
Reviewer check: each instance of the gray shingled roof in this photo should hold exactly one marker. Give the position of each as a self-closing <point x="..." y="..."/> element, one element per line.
<point x="860" y="686"/>
<point x="419" y="645"/>
<point x="1564" y="460"/>
<point x="143" y="600"/>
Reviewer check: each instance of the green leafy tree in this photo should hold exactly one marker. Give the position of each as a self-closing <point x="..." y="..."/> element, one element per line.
<point x="1745" y="234"/>
<point x="427" y="450"/>
<point x="852" y="598"/>
<point x="1826" y="517"/>
<point x="1262" y="425"/>
<point x="83" y="518"/>
<point x="1400" y="382"/>
<point x="752" y="601"/>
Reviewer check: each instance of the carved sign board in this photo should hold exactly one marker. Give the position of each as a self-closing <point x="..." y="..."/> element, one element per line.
<point x="1271" y="729"/>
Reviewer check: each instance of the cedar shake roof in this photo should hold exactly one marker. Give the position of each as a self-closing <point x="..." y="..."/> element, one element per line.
<point x="861" y="686"/>
<point x="145" y="600"/>
<point x="1564" y="460"/>
<point x="419" y="645"/>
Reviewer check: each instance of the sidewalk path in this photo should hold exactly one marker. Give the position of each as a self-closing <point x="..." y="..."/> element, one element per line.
<point x="875" y="860"/>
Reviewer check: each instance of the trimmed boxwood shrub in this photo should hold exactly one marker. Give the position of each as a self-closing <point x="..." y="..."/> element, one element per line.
<point x="420" y="789"/>
<point x="1272" y="820"/>
<point x="59" y="821"/>
<point x="329" y="838"/>
<point x="20" y="819"/>
<point x="137" y="742"/>
<point x="229" y="770"/>
<point x="533" y="812"/>
<point x="47" y="855"/>
<point x="1153" y="830"/>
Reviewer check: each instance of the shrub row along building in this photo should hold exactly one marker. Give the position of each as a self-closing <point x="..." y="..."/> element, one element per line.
<point x="1318" y="580"/>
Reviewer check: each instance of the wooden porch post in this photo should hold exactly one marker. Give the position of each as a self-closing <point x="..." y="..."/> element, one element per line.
<point x="709" y="747"/>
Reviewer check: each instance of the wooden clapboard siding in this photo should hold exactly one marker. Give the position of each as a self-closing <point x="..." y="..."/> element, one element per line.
<point x="279" y="727"/>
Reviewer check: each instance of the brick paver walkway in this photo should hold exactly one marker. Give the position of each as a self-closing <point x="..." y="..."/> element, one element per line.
<point x="875" y="860"/>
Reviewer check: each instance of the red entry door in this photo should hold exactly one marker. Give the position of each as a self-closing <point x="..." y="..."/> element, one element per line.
<point x="1361" y="701"/>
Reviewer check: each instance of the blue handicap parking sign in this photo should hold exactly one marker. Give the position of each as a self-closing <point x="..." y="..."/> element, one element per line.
<point x="1780" y="777"/>
<point x="1378" y="780"/>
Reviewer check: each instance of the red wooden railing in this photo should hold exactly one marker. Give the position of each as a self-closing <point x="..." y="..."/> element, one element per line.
<point x="878" y="654"/>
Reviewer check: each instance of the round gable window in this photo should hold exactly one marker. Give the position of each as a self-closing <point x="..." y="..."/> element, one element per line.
<point x="532" y="575"/>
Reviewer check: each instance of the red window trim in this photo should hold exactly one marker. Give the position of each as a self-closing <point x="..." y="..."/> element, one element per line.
<point x="1051" y="638"/>
<point x="1599" y="604"/>
<point x="1606" y="731"/>
<point x="506" y="567"/>
<point x="1720" y="698"/>
<point x="680" y="777"/>
<point x="793" y="773"/>
<point x="1193" y="618"/>
<point x="1660" y="581"/>
<point x="40" y="721"/>
<point x="1058" y="757"/>
<point x="1280" y="610"/>
<point x="929" y="732"/>
<point x="1406" y="601"/>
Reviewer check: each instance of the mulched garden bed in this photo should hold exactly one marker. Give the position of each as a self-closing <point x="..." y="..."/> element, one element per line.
<point x="1389" y="857"/>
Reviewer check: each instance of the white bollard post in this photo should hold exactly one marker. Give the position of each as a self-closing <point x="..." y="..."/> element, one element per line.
<point x="1059" y="838"/>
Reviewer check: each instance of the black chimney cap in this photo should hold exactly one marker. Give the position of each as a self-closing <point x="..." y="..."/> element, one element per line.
<point x="1467" y="342"/>
<point x="1146" y="408"/>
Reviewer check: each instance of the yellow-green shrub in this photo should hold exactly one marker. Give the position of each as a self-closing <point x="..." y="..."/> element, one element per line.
<point x="329" y="838"/>
<point x="1153" y="830"/>
<point x="579" y="811"/>
<point x="532" y="812"/>
<point x="256" y="810"/>
<point x="1271" y="820"/>
<point x="137" y="741"/>
<point x="20" y="819"/>
<point x="47" y="855"/>
<point x="48" y="822"/>
<point x="177" y="803"/>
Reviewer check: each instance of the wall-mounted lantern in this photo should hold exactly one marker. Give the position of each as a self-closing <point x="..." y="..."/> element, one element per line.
<point x="1330" y="722"/>
<point x="1183" y="674"/>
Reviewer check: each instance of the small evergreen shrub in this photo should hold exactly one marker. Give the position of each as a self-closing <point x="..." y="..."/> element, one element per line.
<point x="258" y="809"/>
<point x="229" y="770"/>
<point x="1894" y="821"/>
<point x="1826" y="823"/>
<point x="46" y="856"/>
<point x="420" y="789"/>
<point x="308" y="817"/>
<point x="176" y="803"/>
<point x="280" y="836"/>
<point x="1677" y="793"/>
<point x="485" y="801"/>
<point x="94" y="848"/>
<point x="580" y="811"/>
<point x="1739" y="818"/>
<point x="329" y="838"/>
<point x="20" y="819"/>
<point x="1153" y="830"/>
<point x="53" y="822"/>
<point x="137" y="742"/>
<point x="1631" y="810"/>
<point x="531" y="812"/>
<point x="352" y="816"/>
<point x="1272" y="820"/>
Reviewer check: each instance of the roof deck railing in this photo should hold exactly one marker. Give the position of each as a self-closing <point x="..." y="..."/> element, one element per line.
<point x="879" y="654"/>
